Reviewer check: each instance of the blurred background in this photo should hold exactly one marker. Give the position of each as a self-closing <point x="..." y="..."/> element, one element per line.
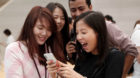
<point x="14" y="12"/>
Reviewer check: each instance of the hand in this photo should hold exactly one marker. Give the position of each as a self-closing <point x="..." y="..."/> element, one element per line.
<point x="67" y="71"/>
<point x="70" y="47"/>
<point x="52" y="67"/>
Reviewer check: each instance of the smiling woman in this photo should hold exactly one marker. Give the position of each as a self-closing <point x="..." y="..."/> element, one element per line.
<point x="38" y="36"/>
<point x="95" y="58"/>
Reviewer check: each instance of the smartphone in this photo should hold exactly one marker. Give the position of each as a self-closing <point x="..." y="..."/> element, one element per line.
<point x="50" y="56"/>
<point x="72" y="35"/>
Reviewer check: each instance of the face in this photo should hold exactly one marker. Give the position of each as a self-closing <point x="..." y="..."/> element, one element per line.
<point x="41" y="31"/>
<point x="86" y="36"/>
<point x="59" y="18"/>
<point x="78" y="7"/>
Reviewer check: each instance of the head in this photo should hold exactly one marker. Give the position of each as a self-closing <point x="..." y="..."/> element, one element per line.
<point x="78" y="7"/>
<point x="7" y="32"/>
<point x="137" y="22"/>
<point x="109" y="18"/>
<point x="91" y="33"/>
<point x="39" y="29"/>
<point x="59" y="14"/>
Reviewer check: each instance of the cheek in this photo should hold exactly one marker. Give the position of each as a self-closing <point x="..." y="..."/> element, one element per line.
<point x="73" y="14"/>
<point x="56" y="20"/>
<point x="93" y="41"/>
<point x="63" y="22"/>
<point x="49" y="34"/>
<point x="35" y="31"/>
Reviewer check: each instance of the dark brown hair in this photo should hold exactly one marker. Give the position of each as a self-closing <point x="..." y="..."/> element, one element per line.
<point x="54" y="41"/>
<point x="137" y="22"/>
<point x="88" y="2"/>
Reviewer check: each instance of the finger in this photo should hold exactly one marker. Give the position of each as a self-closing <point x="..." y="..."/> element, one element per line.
<point x="52" y="71"/>
<point x="73" y="42"/>
<point x="51" y="65"/>
<point x="62" y="64"/>
<point x="49" y="62"/>
<point x="71" y="46"/>
<point x="73" y="51"/>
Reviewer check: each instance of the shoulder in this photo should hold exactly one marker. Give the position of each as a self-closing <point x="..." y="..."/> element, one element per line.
<point x="116" y="55"/>
<point x="12" y="45"/>
<point x="13" y="48"/>
<point x="115" y="52"/>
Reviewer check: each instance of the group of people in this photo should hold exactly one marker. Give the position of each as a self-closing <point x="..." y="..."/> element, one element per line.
<point x="90" y="48"/>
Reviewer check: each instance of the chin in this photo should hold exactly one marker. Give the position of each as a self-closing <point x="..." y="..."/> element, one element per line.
<point x="41" y="43"/>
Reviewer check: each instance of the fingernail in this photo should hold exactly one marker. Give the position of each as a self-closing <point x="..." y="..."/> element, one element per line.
<point x="57" y="65"/>
<point x="51" y="61"/>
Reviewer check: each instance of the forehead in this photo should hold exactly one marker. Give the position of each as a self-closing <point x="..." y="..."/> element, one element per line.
<point x="58" y="10"/>
<point x="82" y="25"/>
<point x="77" y="3"/>
<point x="43" y="22"/>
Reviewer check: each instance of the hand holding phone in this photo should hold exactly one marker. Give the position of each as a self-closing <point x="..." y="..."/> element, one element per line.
<point x="50" y="56"/>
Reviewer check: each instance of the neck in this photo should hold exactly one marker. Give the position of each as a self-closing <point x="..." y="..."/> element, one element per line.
<point x="95" y="52"/>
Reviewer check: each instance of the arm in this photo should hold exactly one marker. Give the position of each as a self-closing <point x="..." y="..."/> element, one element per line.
<point x="118" y="38"/>
<point x="13" y="66"/>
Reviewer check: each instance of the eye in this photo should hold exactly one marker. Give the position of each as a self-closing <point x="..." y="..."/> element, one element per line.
<point x="40" y="27"/>
<point x="83" y="32"/>
<point x="81" y="8"/>
<point x="55" y="17"/>
<point x="73" y="10"/>
<point x="63" y="18"/>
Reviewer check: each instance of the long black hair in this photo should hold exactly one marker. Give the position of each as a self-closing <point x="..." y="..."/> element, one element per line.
<point x="65" y="30"/>
<point x="95" y="20"/>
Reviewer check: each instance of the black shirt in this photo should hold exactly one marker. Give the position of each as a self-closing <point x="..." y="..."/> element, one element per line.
<point x="111" y="68"/>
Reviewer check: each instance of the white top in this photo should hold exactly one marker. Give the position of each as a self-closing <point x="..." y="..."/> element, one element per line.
<point x="10" y="39"/>
<point x="136" y="39"/>
<point x="18" y="63"/>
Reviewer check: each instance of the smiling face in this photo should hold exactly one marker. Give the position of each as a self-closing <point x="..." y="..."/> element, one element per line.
<point x="59" y="18"/>
<point x="41" y="31"/>
<point x="78" y="7"/>
<point x="87" y="37"/>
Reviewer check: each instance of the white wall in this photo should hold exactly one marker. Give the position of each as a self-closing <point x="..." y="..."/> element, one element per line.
<point x="125" y="13"/>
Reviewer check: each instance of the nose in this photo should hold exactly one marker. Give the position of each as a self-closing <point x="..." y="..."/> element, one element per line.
<point x="58" y="20"/>
<point x="79" y="37"/>
<point x="44" y="32"/>
<point x="78" y="13"/>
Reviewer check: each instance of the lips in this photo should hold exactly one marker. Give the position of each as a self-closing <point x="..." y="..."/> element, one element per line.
<point x="84" y="46"/>
<point x="41" y="38"/>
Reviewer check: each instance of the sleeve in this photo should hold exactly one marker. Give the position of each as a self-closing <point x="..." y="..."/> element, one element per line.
<point x="13" y="65"/>
<point x="115" y="65"/>
<point x="118" y="38"/>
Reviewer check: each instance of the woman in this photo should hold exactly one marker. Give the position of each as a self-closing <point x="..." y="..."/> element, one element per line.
<point x="24" y="58"/>
<point x="61" y="18"/>
<point x="136" y="39"/>
<point x="95" y="59"/>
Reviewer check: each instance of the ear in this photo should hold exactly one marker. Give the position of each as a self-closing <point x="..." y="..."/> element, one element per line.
<point x="90" y="7"/>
